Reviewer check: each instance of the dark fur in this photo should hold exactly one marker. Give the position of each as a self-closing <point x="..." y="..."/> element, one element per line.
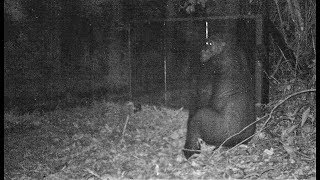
<point x="224" y="102"/>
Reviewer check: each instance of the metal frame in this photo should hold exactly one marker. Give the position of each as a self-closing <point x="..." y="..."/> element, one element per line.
<point x="259" y="43"/>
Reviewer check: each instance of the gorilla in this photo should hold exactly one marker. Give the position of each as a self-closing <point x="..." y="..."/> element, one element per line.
<point x="224" y="100"/>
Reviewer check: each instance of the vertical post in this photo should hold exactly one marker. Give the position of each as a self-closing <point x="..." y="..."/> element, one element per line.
<point x="165" y="71"/>
<point x="165" y="82"/>
<point x="262" y="57"/>
<point x="258" y="63"/>
<point x="129" y="54"/>
<point x="265" y="53"/>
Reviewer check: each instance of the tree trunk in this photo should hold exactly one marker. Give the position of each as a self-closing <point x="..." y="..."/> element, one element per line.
<point x="168" y="37"/>
<point x="70" y="47"/>
<point x="114" y="56"/>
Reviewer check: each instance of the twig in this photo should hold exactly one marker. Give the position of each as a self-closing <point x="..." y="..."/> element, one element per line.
<point x="178" y="112"/>
<point x="124" y="129"/>
<point x="278" y="10"/>
<point x="285" y="99"/>
<point x="267" y="115"/>
<point x="93" y="173"/>
<point x="277" y="66"/>
<point x="314" y="47"/>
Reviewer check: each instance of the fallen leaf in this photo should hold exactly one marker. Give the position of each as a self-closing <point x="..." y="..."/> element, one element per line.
<point x="305" y="116"/>
<point x="269" y="152"/>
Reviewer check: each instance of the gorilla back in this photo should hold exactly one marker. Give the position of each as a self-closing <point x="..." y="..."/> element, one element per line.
<point x="224" y="101"/>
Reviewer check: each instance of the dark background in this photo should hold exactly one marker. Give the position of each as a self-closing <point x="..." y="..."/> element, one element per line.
<point x="72" y="53"/>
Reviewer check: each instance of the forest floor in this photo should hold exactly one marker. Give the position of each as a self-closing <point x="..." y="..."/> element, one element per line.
<point x="109" y="140"/>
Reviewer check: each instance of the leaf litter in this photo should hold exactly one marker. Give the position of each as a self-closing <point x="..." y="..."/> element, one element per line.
<point x="110" y="141"/>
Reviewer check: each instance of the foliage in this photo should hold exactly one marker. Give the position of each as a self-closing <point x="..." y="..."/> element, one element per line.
<point x="296" y="20"/>
<point x="190" y="5"/>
